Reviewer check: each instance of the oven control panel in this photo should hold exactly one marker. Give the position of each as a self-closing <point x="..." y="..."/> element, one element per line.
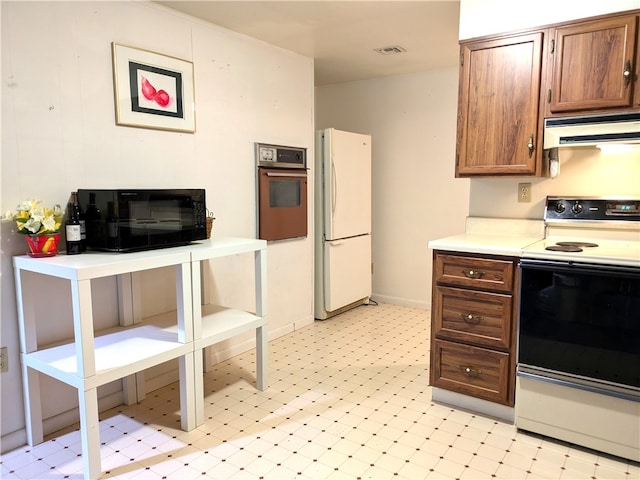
<point x="277" y="156"/>
<point x="592" y="209"/>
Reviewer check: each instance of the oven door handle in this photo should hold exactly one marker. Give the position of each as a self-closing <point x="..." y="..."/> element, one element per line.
<point x="289" y="175"/>
<point x="558" y="266"/>
<point x="581" y="383"/>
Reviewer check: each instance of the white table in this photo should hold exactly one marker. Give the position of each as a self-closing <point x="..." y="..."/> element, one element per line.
<point x="94" y="358"/>
<point x="213" y="323"/>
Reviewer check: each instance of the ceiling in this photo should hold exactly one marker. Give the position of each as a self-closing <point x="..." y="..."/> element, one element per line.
<point x="342" y="35"/>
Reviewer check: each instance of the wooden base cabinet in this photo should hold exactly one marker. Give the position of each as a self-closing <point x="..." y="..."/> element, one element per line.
<point x="473" y="326"/>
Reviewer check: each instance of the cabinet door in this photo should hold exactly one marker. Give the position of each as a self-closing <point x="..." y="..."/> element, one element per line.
<point x="498" y="105"/>
<point x="594" y="65"/>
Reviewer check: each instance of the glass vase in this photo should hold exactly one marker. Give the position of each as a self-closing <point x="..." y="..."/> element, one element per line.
<point x="44" y="245"/>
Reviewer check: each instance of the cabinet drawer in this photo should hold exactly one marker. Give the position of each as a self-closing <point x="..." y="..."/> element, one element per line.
<point x="468" y="370"/>
<point x="472" y="316"/>
<point x="490" y="274"/>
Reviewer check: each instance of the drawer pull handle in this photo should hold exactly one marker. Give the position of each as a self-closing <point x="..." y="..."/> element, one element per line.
<point x="471" y="319"/>
<point x="472" y="274"/>
<point x="470" y="371"/>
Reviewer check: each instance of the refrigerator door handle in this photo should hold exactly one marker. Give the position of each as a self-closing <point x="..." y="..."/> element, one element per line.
<point x="334" y="184"/>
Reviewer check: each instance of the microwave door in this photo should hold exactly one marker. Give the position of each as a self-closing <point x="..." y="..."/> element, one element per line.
<point x="156" y="219"/>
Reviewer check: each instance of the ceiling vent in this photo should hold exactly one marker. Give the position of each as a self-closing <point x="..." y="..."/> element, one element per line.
<point x="394" y="49"/>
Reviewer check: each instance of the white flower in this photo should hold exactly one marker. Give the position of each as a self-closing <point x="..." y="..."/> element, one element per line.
<point x="32" y="225"/>
<point x="37" y="213"/>
<point x="32" y="217"/>
<point x="49" y="223"/>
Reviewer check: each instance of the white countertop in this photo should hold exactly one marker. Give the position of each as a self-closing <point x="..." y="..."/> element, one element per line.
<point x="494" y="236"/>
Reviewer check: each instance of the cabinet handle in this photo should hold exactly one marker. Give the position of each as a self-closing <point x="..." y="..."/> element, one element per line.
<point x="472" y="274"/>
<point x="627" y="73"/>
<point x="469" y="371"/>
<point x="471" y="319"/>
<point x="530" y="145"/>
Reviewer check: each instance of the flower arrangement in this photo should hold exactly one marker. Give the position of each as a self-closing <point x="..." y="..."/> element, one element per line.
<point x="33" y="218"/>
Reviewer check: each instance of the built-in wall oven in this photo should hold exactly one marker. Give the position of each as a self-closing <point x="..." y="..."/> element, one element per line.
<point x="282" y="192"/>
<point x="578" y="374"/>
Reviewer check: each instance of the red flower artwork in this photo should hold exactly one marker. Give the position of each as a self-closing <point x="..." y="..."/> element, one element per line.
<point x="161" y="97"/>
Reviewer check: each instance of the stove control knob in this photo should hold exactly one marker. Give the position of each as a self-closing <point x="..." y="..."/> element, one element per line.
<point x="576" y="208"/>
<point x="559" y="208"/>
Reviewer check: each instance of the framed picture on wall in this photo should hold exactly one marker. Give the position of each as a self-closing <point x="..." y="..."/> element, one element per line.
<point x="153" y="90"/>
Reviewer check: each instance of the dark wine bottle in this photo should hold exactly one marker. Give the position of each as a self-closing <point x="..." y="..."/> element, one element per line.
<point x="94" y="221"/>
<point x="72" y="227"/>
<point x="83" y="223"/>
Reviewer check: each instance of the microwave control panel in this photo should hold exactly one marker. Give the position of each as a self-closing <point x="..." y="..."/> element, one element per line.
<point x="280" y="157"/>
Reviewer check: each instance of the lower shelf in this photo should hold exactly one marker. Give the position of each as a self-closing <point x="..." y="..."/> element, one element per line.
<point x="119" y="352"/>
<point x="221" y="323"/>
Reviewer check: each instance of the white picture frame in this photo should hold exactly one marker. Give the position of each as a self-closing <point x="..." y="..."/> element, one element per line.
<point x="153" y="90"/>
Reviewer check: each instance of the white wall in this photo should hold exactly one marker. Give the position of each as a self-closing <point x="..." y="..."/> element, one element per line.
<point x="59" y="134"/>
<point x="582" y="171"/>
<point x="412" y="120"/>
<point x="488" y="17"/>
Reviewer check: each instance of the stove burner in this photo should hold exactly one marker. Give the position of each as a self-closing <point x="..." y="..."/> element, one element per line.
<point x="577" y="244"/>
<point x="570" y="246"/>
<point x="563" y="248"/>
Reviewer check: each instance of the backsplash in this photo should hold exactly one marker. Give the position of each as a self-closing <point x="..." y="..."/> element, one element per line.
<point x="583" y="172"/>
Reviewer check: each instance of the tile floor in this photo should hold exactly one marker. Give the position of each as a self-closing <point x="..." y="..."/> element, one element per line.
<point x="347" y="399"/>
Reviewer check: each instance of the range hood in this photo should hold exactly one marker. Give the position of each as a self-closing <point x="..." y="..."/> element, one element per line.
<point x="592" y="130"/>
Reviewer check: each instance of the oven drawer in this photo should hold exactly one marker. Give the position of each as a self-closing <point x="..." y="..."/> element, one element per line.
<point x="471" y="370"/>
<point x="470" y="316"/>
<point x="464" y="271"/>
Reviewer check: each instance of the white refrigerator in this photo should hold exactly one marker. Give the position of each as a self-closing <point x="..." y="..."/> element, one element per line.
<point x="342" y="221"/>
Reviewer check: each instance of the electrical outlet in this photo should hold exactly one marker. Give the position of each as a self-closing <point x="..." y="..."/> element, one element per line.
<point x="4" y="360"/>
<point x="524" y="192"/>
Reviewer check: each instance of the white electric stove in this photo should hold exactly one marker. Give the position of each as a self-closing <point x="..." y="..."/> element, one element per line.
<point x="578" y="373"/>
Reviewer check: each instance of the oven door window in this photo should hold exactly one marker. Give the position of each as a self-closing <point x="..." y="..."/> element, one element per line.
<point x="284" y="194"/>
<point x="582" y="321"/>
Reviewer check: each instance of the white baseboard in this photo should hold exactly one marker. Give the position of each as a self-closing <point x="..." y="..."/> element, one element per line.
<point x="13" y="440"/>
<point x="405" y="302"/>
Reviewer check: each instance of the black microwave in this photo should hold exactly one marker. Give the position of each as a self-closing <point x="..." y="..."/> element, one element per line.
<point x="128" y="220"/>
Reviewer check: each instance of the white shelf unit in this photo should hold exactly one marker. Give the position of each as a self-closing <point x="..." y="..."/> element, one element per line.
<point x="213" y="323"/>
<point x="94" y="358"/>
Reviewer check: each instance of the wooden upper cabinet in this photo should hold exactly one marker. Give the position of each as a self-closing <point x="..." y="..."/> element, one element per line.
<point x="498" y="108"/>
<point x="594" y="65"/>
